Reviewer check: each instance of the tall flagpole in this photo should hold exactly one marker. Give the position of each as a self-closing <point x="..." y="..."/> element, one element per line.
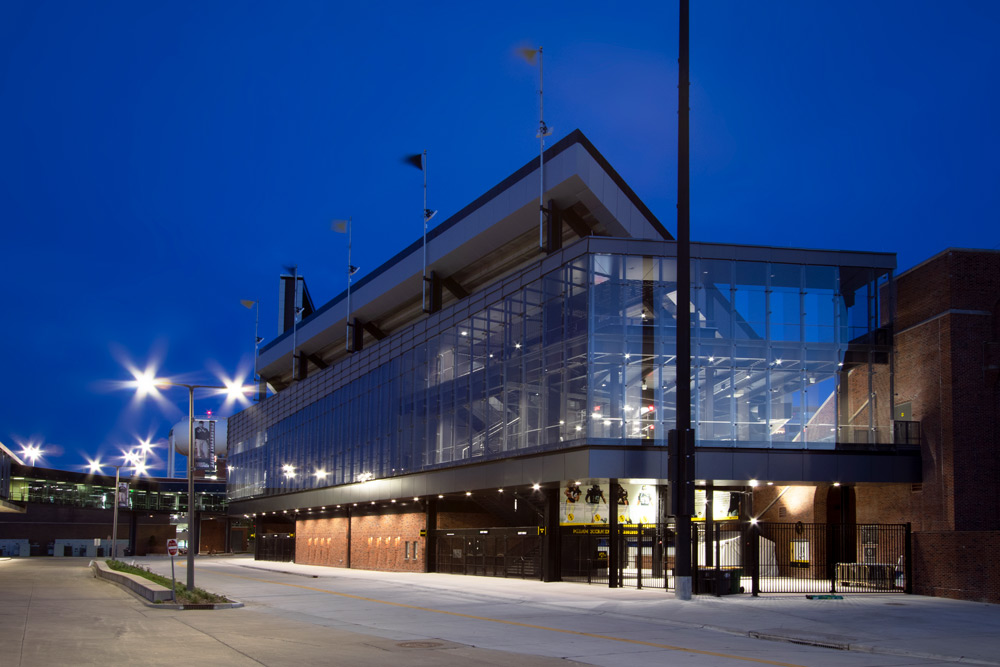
<point x="350" y="272"/>
<point x="423" y="167"/>
<point x="295" y="321"/>
<point x="419" y="160"/>
<point x="256" y="341"/>
<point x="543" y="131"/>
<point x="246" y="303"/>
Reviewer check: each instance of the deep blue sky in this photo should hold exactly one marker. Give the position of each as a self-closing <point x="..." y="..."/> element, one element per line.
<point x="161" y="161"/>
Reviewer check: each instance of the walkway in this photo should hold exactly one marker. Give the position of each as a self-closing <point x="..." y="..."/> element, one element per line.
<point x="51" y="608"/>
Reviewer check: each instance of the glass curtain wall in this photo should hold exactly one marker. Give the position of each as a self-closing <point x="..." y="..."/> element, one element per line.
<point x="510" y="378"/>
<point x="784" y="356"/>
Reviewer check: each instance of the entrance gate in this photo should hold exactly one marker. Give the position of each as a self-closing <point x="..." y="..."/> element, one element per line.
<point x="745" y="557"/>
<point x="637" y="557"/>
<point x="490" y="552"/>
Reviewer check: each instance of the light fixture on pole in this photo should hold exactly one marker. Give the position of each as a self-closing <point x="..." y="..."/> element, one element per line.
<point x="247" y="303"/>
<point x="344" y="227"/>
<point x="129" y="458"/>
<point x="419" y="160"/>
<point x="146" y="384"/>
<point x="32" y="452"/>
<point x="296" y="311"/>
<point x="543" y="131"/>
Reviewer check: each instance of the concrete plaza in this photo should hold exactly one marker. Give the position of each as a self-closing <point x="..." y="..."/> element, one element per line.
<point x="53" y="611"/>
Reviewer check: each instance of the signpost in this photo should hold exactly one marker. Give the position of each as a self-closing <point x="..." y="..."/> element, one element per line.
<point x="172" y="550"/>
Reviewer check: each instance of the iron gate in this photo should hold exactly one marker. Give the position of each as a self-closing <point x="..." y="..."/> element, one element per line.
<point x="490" y="552"/>
<point x="275" y="546"/>
<point x="637" y="557"/>
<point x="830" y="558"/>
<point x="745" y="557"/>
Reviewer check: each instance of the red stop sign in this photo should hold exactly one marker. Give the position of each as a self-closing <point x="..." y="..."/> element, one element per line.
<point x="172" y="547"/>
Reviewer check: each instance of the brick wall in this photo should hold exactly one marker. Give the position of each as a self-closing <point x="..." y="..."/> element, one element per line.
<point x="321" y="541"/>
<point x="378" y="542"/>
<point x="788" y="504"/>
<point x="958" y="565"/>
<point x="888" y="503"/>
<point x="948" y="332"/>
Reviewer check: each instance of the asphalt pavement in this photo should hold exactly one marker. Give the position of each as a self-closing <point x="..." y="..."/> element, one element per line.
<point x="54" y="612"/>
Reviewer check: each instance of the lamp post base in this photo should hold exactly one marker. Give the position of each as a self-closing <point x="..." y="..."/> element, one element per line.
<point x="682" y="588"/>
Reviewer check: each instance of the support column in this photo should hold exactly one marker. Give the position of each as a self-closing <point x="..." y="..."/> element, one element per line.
<point x="614" y="537"/>
<point x="683" y="480"/>
<point x="430" y="539"/>
<point x="709" y="524"/>
<point x="552" y="538"/>
<point x="347" y="555"/>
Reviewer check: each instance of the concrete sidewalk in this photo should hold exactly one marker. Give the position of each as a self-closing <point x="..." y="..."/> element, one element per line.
<point x="53" y="611"/>
<point x="887" y="624"/>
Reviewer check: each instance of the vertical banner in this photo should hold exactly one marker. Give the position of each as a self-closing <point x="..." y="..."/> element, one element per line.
<point x="204" y="445"/>
<point x="123" y="495"/>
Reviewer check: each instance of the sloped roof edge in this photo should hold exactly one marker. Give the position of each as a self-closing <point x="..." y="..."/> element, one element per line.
<point x="573" y="138"/>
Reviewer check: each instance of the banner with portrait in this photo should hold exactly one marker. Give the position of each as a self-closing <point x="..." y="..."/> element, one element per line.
<point x="122" y="495"/>
<point x="204" y="445"/>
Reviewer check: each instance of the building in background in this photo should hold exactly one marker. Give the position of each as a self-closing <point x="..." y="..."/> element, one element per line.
<point x="7" y="460"/>
<point x="65" y="513"/>
<point x="505" y="410"/>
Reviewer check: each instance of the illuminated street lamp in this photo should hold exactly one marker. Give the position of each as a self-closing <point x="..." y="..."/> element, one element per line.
<point x="136" y="459"/>
<point x="145" y="384"/>
<point x="31" y="452"/>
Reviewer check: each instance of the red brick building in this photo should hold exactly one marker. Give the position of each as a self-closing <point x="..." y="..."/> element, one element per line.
<point x="947" y="338"/>
<point x="946" y="380"/>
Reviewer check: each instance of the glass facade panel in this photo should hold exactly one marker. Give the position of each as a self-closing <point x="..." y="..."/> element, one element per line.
<point x="783" y="356"/>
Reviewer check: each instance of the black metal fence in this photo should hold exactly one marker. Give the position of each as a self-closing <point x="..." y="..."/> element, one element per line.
<point x="731" y="557"/>
<point x="636" y="558"/>
<point x="829" y="558"/>
<point x="493" y="552"/>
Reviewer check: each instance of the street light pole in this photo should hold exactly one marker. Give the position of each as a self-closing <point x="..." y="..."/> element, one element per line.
<point x="114" y="522"/>
<point x="190" y="474"/>
<point x="145" y="383"/>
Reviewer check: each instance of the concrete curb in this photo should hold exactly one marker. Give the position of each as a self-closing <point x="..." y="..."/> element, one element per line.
<point x="151" y="594"/>
<point x="863" y="648"/>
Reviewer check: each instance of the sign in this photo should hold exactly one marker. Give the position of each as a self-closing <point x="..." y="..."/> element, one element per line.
<point x="123" y="495"/>
<point x="172" y="550"/>
<point x="172" y="547"/>
<point x="204" y="445"/>
<point x="423" y="532"/>
<point x="584" y="502"/>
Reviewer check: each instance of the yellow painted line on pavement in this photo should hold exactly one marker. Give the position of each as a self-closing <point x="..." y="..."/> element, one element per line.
<point x="517" y="623"/>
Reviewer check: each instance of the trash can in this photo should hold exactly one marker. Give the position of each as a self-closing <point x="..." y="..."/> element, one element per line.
<point x="706" y="583"/>
<point x="735" y="581"/>
<point x="721" y="582"/>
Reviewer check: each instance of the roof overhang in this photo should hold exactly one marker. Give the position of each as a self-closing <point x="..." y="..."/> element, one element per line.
<point x="489" y="238"/>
